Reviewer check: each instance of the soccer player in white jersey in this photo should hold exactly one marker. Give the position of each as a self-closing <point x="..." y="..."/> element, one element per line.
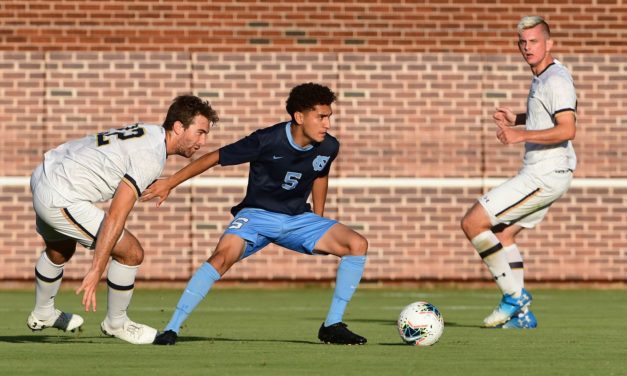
<point x="493" y="222"/>
<point x="116" y="165"/>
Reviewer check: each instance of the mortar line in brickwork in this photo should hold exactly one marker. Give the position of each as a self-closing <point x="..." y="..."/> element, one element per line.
<point x="24" y="181"/>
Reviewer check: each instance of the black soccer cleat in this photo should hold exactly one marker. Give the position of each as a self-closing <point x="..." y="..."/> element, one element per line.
<point x="338" y="334"/>
<point x="166" y="338"/>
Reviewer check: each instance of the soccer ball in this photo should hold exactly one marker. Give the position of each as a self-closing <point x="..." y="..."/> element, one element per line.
<point x="420" y="324"/>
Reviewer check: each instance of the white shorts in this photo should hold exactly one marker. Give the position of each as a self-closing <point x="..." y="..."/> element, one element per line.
<point x="525" y="199"/>
<point x="58" y="219"/>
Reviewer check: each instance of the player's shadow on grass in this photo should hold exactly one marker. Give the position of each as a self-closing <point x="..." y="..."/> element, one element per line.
<point x="387" y="322"/>
<point x="46" y="339"/>
<point x="222" y="339"/>
<point x="450" y="324"/>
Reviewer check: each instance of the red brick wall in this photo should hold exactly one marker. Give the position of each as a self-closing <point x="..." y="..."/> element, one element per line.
<point x="219" y="26"/>
<point x="417" y="84"/>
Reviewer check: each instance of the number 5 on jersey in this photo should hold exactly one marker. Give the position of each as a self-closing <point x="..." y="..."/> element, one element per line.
<point x="291" y="180"/>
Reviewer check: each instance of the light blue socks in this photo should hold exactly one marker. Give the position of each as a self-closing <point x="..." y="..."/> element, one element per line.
<point x="195" y="291"/>
<point x="348" y="276"/>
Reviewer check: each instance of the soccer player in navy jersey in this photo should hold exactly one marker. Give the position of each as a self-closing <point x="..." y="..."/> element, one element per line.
<point x="289" y="161"/>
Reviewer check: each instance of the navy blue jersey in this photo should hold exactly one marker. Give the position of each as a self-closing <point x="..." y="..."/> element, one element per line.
<point x="281" y="172"/>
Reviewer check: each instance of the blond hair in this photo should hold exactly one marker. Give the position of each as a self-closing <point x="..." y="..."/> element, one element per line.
<point x="527" y="22"/>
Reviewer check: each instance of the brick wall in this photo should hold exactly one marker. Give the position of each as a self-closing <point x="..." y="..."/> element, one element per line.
<point x="417" y="83"/>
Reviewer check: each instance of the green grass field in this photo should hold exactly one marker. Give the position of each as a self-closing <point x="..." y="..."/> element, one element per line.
<point x="273" y="332"/>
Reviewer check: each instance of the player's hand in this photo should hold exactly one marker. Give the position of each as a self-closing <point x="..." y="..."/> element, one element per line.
<point x="89" y="285"/>
<point x="159" y="189"/>
<point x="508" y="135"/>
<point x="504" y="116"/>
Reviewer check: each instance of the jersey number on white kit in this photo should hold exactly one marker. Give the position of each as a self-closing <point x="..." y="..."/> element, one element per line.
<point x="132" y="131"/>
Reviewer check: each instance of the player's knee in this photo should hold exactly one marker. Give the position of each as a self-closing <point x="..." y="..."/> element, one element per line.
<point x="464" y="224"/>
<point x="58" y="258"/>
<point x="60" y="252"/>
<point x="134" y="257"/>
<point x="138" y="256"/>
<point x="129" y="251"/>
<point x="358" y="245"/>
<point x="469" y="225"/>
<point x="222" y="261"/>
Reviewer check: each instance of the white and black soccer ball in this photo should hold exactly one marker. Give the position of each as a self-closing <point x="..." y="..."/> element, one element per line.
<point x="420" y="324"/>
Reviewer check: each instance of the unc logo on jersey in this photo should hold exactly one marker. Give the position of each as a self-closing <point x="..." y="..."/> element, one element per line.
<point x="320" y="162"/>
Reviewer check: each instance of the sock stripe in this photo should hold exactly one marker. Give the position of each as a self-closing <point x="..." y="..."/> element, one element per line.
<point x="491" y="251"/>
<point x="48" y="279"/>
<point x="118" y="287"/>
<point x="516" y="265"/>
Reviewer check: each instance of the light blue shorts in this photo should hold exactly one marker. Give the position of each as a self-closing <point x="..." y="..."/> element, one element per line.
<point x="260" y="227"/>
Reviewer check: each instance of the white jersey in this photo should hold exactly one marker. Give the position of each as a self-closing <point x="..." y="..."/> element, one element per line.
<point x="551" y="92"/>
<point x="91" y="168"/>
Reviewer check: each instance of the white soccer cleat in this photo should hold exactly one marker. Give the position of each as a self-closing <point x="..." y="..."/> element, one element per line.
<point x="67" y="322"/>
<point x="132" y="332"/>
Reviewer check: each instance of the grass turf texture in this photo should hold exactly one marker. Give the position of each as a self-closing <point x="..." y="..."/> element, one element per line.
<point x="274" y="332"/>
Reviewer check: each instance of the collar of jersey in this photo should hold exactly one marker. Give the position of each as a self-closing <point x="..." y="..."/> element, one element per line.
<point x="554" y="62"/>
<point x="291" y="139"/>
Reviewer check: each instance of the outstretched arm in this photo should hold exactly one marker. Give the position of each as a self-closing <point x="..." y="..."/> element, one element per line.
<point x="108" y="235"/>
<point x="319" y="194"/>
<point x="162" y="187"/>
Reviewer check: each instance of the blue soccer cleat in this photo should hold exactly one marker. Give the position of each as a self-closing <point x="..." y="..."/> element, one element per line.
<point x="508" y="308"/>
<point x="524" y="320"/>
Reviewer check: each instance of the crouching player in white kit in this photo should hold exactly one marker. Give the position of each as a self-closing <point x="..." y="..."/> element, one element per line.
<point x="493" y="222"/>
<point x="118" y="164"/>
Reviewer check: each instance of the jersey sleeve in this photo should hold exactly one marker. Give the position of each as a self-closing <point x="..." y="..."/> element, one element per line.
<point x="143" y="170"/>
<point x="245" y="150"/>
<point x="561" y="96"/>
<point x="327" y="168"/>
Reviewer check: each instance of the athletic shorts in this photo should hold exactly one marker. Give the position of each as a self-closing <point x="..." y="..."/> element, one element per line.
<point x="525" y="199"/>
<point x="260" y="227"/>
<point x="58" y="219"/>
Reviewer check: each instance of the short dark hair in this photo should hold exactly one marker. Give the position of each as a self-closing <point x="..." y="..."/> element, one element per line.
<point x="307" y="96"/>
<point x="185" y="108"/>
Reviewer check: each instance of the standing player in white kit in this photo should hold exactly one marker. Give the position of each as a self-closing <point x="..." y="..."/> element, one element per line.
<point x="116" y="165"/>
<point x="493" y="222"/>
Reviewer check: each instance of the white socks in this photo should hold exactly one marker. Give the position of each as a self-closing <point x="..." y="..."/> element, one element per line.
<point x="490" y="250"/>
<point x="515" y="263"/>
<point x="121" y="281"/>
<point x="47" y="282"/>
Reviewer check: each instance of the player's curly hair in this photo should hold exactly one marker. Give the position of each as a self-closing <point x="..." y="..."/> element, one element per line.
<point x="307" y="96"/>
<point x="185" y="107"/>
